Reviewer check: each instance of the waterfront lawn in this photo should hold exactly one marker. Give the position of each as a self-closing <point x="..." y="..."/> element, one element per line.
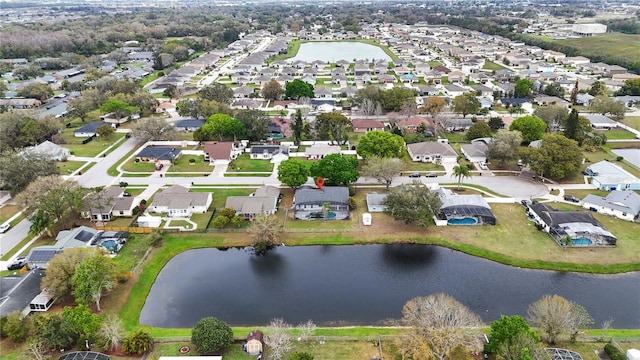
<point x="245" y="164"/>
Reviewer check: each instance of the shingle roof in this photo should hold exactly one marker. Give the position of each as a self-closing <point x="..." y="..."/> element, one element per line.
<point x="218" y="150"/>
<point x="159" y="152"/>
<point x="331" y="194"/>
<point x="90" y="127"/>
<point x="432" y="148"/>
<point x="175" y="197"/>
<point x="190" y="123"/>
<point x="626" y="201"/>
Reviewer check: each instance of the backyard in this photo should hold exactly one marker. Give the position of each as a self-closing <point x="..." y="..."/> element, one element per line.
<point x="90" y="149"/>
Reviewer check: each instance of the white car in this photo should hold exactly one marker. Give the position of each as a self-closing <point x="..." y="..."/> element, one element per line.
<point x="4" y="228"/>
<point x="483" y="165"/>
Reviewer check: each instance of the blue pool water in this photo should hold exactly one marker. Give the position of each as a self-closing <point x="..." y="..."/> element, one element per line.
<point x="462" y="221"/>
<point x="581" y="242"/>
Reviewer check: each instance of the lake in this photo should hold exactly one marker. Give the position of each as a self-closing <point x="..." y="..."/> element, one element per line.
<point x="339" y="50"/>
<point x="364" y="285"/>
<point x="631" y="155"/>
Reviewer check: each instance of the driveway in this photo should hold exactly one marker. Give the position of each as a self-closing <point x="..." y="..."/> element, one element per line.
<point x="97" y="175"/>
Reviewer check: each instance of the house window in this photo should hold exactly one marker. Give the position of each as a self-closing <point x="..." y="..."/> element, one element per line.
<point x="95" y="217"/>
<point x="121" y="212"/>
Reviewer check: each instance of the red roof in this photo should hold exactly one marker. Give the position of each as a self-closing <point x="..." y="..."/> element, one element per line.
<point x="218" y="150"/>
<point x="367" y="124"/>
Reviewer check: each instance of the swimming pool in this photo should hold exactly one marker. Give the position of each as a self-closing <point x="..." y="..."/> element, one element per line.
<point x="462" y="221"/>
<point x="581" y="242"/>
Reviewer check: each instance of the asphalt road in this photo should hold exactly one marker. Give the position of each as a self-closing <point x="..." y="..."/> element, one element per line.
<point x="13" y="236"/>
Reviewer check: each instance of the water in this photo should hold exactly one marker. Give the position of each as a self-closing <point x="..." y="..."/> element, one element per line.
<point x="462" y="221"/>
<point x="581" y="242"/>
<point x="339" y="50"/>
<point x="631" y="155"/>
<point x="364" y="285"/>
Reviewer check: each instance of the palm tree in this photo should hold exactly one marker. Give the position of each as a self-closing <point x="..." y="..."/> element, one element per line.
<point x="461" y="172"/>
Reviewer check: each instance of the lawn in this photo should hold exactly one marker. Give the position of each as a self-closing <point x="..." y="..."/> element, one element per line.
<point x="245" y="164"/>
<point x="139" y="166"/>
<point x="90" y="149"/>
<point x="201" y="219"/>
<point x="617" y="134"/>
<point x="220" y="194"/>
<point x="622" y="45"/>
<point x="490" y="65"/>
<point x="7" y="211"/>
<point x="633" y="121"/>
<point x="581" y="194"/>
<point x="68" y="167"/>
<point x="183" y="164"/>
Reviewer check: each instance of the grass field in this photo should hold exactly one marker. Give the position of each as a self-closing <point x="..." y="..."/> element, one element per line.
<point x="623" y="46"/>
<point x="139" y="167"/>
<point x="245" y="164"/>
<point x="618" y="134"/>
<point x="90" y="149"/>
<point x="183" y="164"/>
<point x="633" y="121"/>
<point x="490" y="65"/>
<point x="67" y="167"/>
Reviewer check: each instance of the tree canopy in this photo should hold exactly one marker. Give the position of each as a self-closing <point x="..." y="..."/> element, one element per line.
<point x="222" y="127"/>
<point x="383" y="169"/>
<point x="505" y="146"/>
<point x="466" y="104"/>
<point x="510" y="336"/>
<point x="272" y="90"/>
<point x="554" y="115"/>
<point x="605" y="105"/>
<point x="412" y="203"/>
<point x="18" y="170"/>
<point x="210" y="336"/>
<point x="336" y="169"/>
<point x="523" y="88"/>
<point x="333" y="126"/>
<point x="294" y="172"/>
<point x="557" y="157"/>
<point x="478" y="130"/>
<point x="381" y="144"/>
<point x="532" y="128"/>
<point x="256" y="123"/>
<point x="153" y="129"/>
<point x="93" y="277"/>
<point x="297" y="88"/>
<point x="60" y="270"/>
<point x="630" y="87"/>
<point x="555" y="315"/>
<point x="216" y="92"/>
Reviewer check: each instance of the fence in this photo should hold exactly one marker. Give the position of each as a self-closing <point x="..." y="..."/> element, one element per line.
<point x="131" y="229"/>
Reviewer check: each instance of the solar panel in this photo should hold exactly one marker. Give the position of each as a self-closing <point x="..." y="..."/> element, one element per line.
<point x="84" y="236"/>
<point x="43" y="255"/>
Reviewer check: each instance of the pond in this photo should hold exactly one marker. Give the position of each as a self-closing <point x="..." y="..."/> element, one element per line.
<point x="338" y="50"/>
<point x="364" y="285"/>
<point x="631" y="155"/>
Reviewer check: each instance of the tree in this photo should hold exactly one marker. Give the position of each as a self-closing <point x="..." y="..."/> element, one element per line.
<point x="306" y="329"/>
<point x="510" y="336"/>
<point x="409" y="108"/>
<point x="297" y="88"/>
<point x="599" y="88"/>
<point x="278" y="339"/>
<point x="137" y="343"/>
<point x="440" y="324"/>
<point x="272" y="90"/>
<point x="369" y="107"/>
<point x="189" y="108"/>
<point x="531" y="127"/>
<point x="383" y="169"/>
<point x="153" y="129"/>
<point x="36" y="90"/>
<point x="144" y="102"/>
<point x="555" y="315"/>
<point x="265" y="232"/>
<point x="111" y="333"/>
<point x="293" y="172"/>
<point x="523" y="88"/>
<point x="478" y="130"/>
<point x="630" y="87"/>
<point x="105" y="131"/>
<point x="557" y="157"/>
<point x="118" y="108"/>
<point x="82" y="321"/>
<point x="553" y="115"/>
<point x="466" y="103"/>
<point x="504" y="146"/>
<point x="461" y="172"/>
<point x="393" y="99"/>
<point x="223" y="127"/>
<point x="381" y="144"/>
<point x="53" y="331"/>
<point x="433" y="105"/>
<point x="171" y="91"/>
<point x="333" y="126"/>
<point x="495" y="123"/>
<point x="18" y="170"/>
<point x="573" y="129"/>
<point x="35" y="350"/>
<point x="412" y="203"/>
<point x="211" y="336"/>
<point x="256" y="123"/>
<point x="216" y="92"/>
<point x="297" y="127"/>
<point x="336" y="169"/>
<point x="605" y="105"/>
<point x="220" y="222"/>
<point x="554" y="89"/>
<point x="94" y="276"/>
<point x="60" y="270"/>
<point x="19" y="129"/>
<point x="15" y="327"/>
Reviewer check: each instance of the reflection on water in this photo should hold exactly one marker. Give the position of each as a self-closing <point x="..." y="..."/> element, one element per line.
<point x="365" y="284"/>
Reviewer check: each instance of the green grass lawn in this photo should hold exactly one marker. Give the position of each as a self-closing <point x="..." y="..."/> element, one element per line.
<point x="490" y="65"/>
<point x="617" y="134"/>
<point x="7" y="211"/>
<point x="139" y="166"/>
<point x="90" y="149"/>
<point x="135" y="190"/>
<point x="633" y="121"/>
<point x="623" y="46"/>
<point x="434" y="63"/>
<point x="180" y="222"/>
<point x="68" y="167"/>
<point x="183" y="164"/>
<point x="120" y="221"/>
<point x="220" y="195"/>
<point x="201" y="219"/>
<point x="245" y="164"/>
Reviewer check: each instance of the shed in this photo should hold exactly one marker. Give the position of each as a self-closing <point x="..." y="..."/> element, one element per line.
<point x="255" y="342"/>
<point x="375" y="202"/>
<point x="42" y="302"/>
<point x="149" y="221"/>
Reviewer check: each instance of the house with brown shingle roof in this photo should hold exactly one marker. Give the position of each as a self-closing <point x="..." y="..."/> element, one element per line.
<point x="219" y="152"/>
<point x="366" y="125"/>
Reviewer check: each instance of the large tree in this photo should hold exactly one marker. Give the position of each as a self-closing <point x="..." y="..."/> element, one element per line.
<point x="393" y="99"/>
<point x="18" y="170"/>
<point x="555" y="315"/>
<point x="505" y="146"/>
<point x="461" y="172"/>
<point x="466" y="104"/>
<point x="60" y="270"/>
<point x="297" y="127"/>
<point x="111" y="333"/>
<point x="605" y="105"/>
<point x="630" y="87"/>
<point x="433" y="105"/>
<point x="211" y="336"/>
<point x="153" y="129"/>
<point x="94" y="277"/>
<point x="336" y="169"/>
<point x="216" y="92"/>
<point x="278" y="339"/>
<point x="383" y="169"/>
<point x="412" y="203"/>
<point x="223" y="127"/>
<point x="297" y="88"/>
<point x="531" y="127"/>
<point x="478" y="130"/>
<point x="272" y="90"/>
<point x="84" y="323"/>
<point x="440" y="324"/>
<point x="557" y="157"/>
<point x="510" y="336"/>
<point x="554" y="115"/>
<point x="256" y="123"/>
<point x="523" y="88"/>
<point x="293" y="172"/>
<point x="381" y="144"/>
<point x="599" y="88"/>
<point x="118" y="108"/>
<point x="554" y="89"/>
<point x="265" y="233"/>
<point x="36" y="90"/>
<point x="333" y="126"/>
<point x="576" y="127"/>
<point x="19" y="129"/>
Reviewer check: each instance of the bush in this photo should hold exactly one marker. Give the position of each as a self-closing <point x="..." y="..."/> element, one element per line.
<point x="229" y="213"/>
<point x="352" y="190"/>
<point x="220" y="221"/>
<point x="211" y="335"/>
<point x="192" y="161"/>
<point x="15" y="327"/>
<point x="138" y="343"/>
<point x="123" y="184"/>
<point x="619" y="158"/>
<point x="352" y="202"/>
<point x="301" y="355"/>
<point x="614" y="353"/>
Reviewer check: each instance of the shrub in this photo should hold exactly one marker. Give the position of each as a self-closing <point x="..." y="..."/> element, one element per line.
<point x="138" y="343"/>
<point x="301" y="355"/>
<point x="123" y="184"/>
<point x="352" y="202"/>
<point x="220" y="221"/>
<point x="15" y="327"/>
<point x="352" y="190"/>
<point x="229" y="213"/>
<point x="619" y="158"/>
<point x="211" y="335"/>
<point x="192" y="161"/>
<point x="614" y="353"/>
<point x="237" y="220"/>
<point x="135" y="210"/>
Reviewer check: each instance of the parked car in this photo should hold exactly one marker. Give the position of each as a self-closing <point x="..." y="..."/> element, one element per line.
<point x="431" y="174"/>
<point x="17" y="264"/>
<point x="159" y="166"/>
<point x="571" y="198"/>
<point x="483" y="165"/>
<point x="414" y="175"/>
<point x="4" y="228"/>
<point x="526" y="203"/>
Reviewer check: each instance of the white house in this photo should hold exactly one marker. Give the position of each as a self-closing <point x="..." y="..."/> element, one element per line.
<point x="177" y="201"/>
<point x="624" y="205"/>
<point x="433" y="152"/>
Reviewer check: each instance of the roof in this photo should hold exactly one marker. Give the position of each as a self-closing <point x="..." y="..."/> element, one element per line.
<point x="42" y="254"/>
<point x="90" y="127"/>
<point x="321" y="149"/>
<point x="178" y="197"/>
<point x="571" y="223"/>
<point x="269" y="149"/>
<point x="80" y="236"/>
<point x="599" y="119"/>
<point x="331" y="194"/>
<point x="625" y="201"/>
<point x="373" y="198"/>
<point x="51" y="149"/>
<point x="19" y="290"/>
<point x="190" y="123"/>
<point x="432" y="148"/>
<point x="159" y="152"/>
<point x="608" y="173"/>
<point x="476" y="149"/>
<point x="264" y="200"/>
<point x="367" y="124"/>
<point x="218" y="150"/>
<point x="450" y="199"/>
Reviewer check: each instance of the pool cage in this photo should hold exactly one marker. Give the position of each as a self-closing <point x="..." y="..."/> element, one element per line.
<point x="555" y="354"/>
<point x="481" y="214"/>
<point x="582" y="235"/>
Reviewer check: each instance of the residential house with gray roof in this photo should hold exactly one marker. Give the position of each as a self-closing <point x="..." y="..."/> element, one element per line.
<point x="624" y="205"/>
<point x="177" y="201"/>
<point x="328" y="202"/>
<point x="264" y="201"/>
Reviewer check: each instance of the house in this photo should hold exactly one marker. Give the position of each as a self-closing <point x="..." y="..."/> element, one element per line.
<point x="460" y="124"/>
<point x="219" y="152"/>
<point x="51" y="150"/>
<point x="375" y="202"/>
<point x="475" y="152"/>
<point x="575" y="228"/>
<point x="366" y="125"/>
<point x="19" y="290"/>
<point x="584" y="99"/>
<point x="482" y="90"/>
<point x="323" y="92"/>
<point x="109" y="203"/>
<point x="433" y="152"/>
<point x="177" y="201"/>
<point x="88" y="130"/>
<point x="164" y="154"/>
<point x="463" y="209"/>
<point x="255" y="343"/>
<point x="624" y="205"/>
<point x="609" y="176"/>
<point x="599" y="121"/>
<point x="39" y="256"/>
<point x="242" y="91"/>
<point x="454" y="90"/>
<point x="264" y="201"/>
<point x="189" y="125"/>
<point x="269" y="152"/>
<point x="319" y="151"/>
<point x="328" y="202"/>
<point x="428" y="90"/>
